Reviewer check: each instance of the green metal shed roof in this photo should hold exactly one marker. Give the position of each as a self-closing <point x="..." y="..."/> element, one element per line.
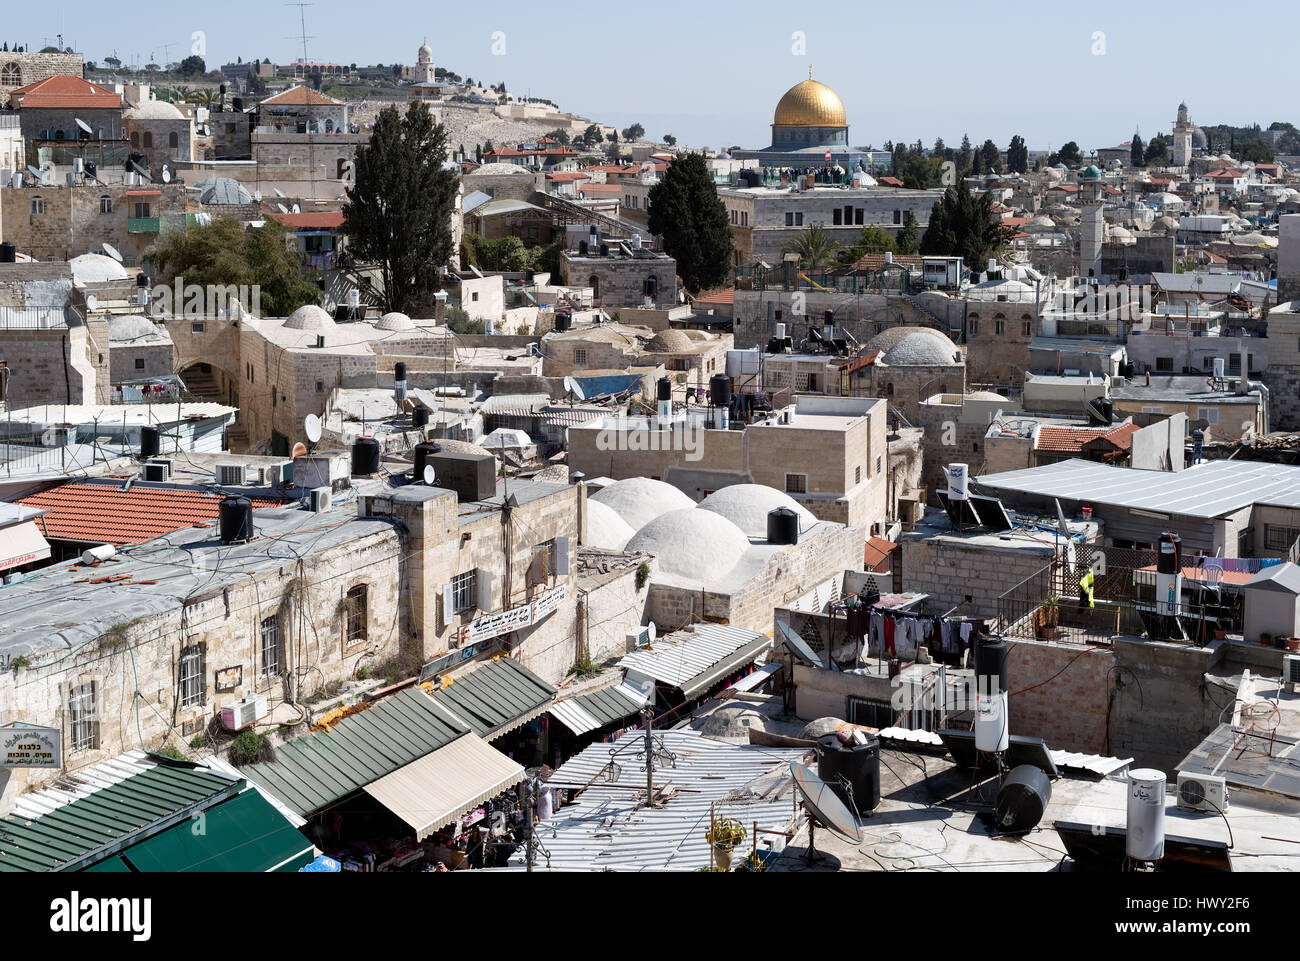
<point x="497" y="697"/>
<point x="103" y="823"/>
<point x="609" y="704"/>
<point x="314" y="771"/>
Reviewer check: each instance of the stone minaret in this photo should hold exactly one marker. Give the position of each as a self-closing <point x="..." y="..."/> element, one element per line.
<point x="1182" y="148"/>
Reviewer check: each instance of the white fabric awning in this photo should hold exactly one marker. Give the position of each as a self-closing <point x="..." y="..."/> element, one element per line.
<point x="21" y="544"/>
<point x="438" y="788"/>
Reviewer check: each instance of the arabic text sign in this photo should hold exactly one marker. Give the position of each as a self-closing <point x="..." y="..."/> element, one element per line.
<point x="31" y="747"/>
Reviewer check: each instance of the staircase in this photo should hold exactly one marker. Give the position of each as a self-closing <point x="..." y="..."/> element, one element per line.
<point x="564" y="211"/>
<point x="203" y="385"/>
<point x="940" y="320"/>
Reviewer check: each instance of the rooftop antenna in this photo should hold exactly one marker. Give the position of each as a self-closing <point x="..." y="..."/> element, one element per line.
<point x="302" y="17"/>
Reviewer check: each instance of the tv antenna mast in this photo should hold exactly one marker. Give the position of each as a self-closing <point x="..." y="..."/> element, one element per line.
<point x="302" y="19"/>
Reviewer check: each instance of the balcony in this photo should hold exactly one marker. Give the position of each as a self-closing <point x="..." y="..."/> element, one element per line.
<point x="142" y="225"/>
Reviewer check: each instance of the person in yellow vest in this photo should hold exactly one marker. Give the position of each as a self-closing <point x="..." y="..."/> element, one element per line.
<point x="1085" y="586"/>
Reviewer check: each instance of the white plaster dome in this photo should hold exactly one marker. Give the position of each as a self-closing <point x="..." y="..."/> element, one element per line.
<point x="310" y="317"/>
<point x="692" y="545"/>
<point x="747" y="506"/>
<point x="153" y="110"/>
<point x="605" y="529"/>
<point x="394" y="320"/>
<point x="96" y="269"/>
<point x="639" y="500"/>
<point x="918" y="350"/>
<point x="128" y="327"/>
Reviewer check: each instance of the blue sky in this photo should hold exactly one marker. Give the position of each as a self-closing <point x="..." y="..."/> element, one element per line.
<point x="711" y="73"/>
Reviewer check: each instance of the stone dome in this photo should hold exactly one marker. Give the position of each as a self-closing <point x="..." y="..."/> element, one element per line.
<point x="310" y="317"/>
<point x="810" y="104"/>
<point x="394" y="320"/>
<point x="888" y="338"/>
<point x="919" y="350"/>
<point x="555" y="474"/>
<point x="424" y="54"/>
<point x="153" y="110"/>
<point x="499" y="169"/>
<point x="747" y="506"/>
<point x="668" y="342"/>
<point x="639" y="500"/>
<point x="95" y="269"/>
<point x="462" y="447"/>
<point x="605" y="529"/>
<point x="128" y="327"/>
<point x="692" y="545"/>
<point x="984" y="395"/>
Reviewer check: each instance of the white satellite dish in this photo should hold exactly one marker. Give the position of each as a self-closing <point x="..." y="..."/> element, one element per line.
<point x="112" y="252"/>
<point x="651" y="631"/>
<point x="92" y="302"/>
<point x="278" y="191"/>
<point x="296" y="209"/>
<point x="166" y="175"/>
<point x="83" y="125"/>
<point x="283" y="208"/>
<point x="428" y="474"/>
<point x="36" y="172"/>
<point x="573" y="387"/>
<point x="311" y="425"/>
<point x="257" y="195"/>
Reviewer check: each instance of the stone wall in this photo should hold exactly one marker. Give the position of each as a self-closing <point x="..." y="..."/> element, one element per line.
<point x="74" y="221"/>
<point x="34" y="67"/>
<point x="863" y="315"/>
<point x="1069" y="710"/>
<point x="135" y="362"/>
<point x="614" y="607"/>
<point x="993" y="357"/>
<point x="1283" y="374"/>
<point x="968" y="574"/>
<point x="619" y="280"/>
<point x="67" y="365"/>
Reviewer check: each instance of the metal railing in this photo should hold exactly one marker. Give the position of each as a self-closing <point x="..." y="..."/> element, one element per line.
<point x="32" y="318"/>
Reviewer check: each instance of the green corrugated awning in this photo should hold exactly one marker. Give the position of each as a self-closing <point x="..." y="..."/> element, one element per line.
<point x="314" y="771"/>
<point x="245" y="834"/>
<point x="114" y="865"/>
<point x="497" y="697"/>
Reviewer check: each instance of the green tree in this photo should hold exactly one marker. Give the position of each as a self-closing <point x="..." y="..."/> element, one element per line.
<point x="964" y="156"/>
<point x="1069" y="154"/>
<point x="1257" y="150"/>
<point x="193" y="66"/>
<point x="1017" y="155"/>
<point x="1157" y="151"/>
<point x="1137" y="152"/>
<point x="398" y="213"/>
<point x="670" y="140"/>
<point x="871" y="240"/>
<point x="814" y="248"/>
<point x="962" y="224"/>
<point x="560" y="136"/>
<point x="687" y="212"/>
<point x="224" y="253"/>
<point x="990" y="158"/>
<point x="634" y="132"/>
<point x="908" y="239"/>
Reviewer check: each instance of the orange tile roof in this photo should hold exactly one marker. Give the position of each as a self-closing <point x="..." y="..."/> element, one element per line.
<point x="88" y="513"/>
<point x="890" y="181"/>
<point x="67" y="92"/>
<point x="568" y="175"/>
<point x="876" y="261"/>
<point x="1074" y="439"/>
<point x="302" y="97"/>
<point x="876" y="550"/>
<point x="317" y="221"/>
<point x="1200" y="574"/>
<point x="724" y="295"/>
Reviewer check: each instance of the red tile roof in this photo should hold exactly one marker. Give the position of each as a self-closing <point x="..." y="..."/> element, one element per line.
<point x="724" y="295"/>
<point x="568" y="176"/>
<point x="88" y="513"/>
<point x="608" y="190"/>
<point x="313" y="221"/>
<point x="890" y="181"/>
<point x="66" y="92"/>
<point x="302" y="97"/>
<point x="1074" y="439"/>
<point x="876" y="551"/>
<point x="876" y="261"/>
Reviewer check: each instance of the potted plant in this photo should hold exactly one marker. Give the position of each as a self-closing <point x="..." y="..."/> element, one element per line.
<point x="724" y="835"/>
<point x="1049" y="615"/>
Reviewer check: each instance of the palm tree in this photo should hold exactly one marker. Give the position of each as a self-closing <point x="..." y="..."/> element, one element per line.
<point x="814" y="248"/>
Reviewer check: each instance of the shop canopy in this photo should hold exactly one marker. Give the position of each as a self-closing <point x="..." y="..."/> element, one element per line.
<point x="430" y="793"/>
<point x="245" y="834"/>
<point x="697" y="657"/>
<point x="496" y="698"/>
<point x="588" y="712"/>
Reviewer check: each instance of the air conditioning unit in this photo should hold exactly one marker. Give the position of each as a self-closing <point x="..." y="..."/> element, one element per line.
<point x="230" y="475"/>
<point x="638" y="638"/>
<point x="1202" y="792"/>
<point x="320" y="499"/>
<point x="1291" y="673"/>
<point x="373" y="505"/>
<point x="244" y="712"/>
<point x="158" y="471"/>
<point x="278" y="475"/>
<point x="253" y="476"/>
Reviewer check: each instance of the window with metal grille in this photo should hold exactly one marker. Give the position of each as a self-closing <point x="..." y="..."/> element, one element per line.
<point x="870" y="713"/>
<point x="357" y="615"/>
<point x="579" y="355"/>
<point x="38" y="206"/>
<point x="796" y="483"/>
<point x="463" y="588"/>
<point x="1279" y="538"/>
<point x="270" y="646"/>
<point x="105" y="204"/>
<point x="83" y="727"/>
<point x="190" y="675"/>
<point x="857" y="474"/>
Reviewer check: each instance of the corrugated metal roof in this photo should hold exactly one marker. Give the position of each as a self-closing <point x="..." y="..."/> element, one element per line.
<point x="695" y="657"/>
<point x="313" y="771"/>
<point x="111" y="818"/>
<point x="497" y="697"/>
<point x="438" y="788"/>
<point x="608" y="826"/>
<point x="587" y="712"/>
<point x="1093" y="764"/>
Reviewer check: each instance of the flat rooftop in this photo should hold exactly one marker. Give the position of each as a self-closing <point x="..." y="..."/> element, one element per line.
<point x="1206" y="490"/>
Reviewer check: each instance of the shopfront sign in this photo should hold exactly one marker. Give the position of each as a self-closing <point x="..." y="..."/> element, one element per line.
<point x="23" y="745"/>
<point x="503" y="622"/>
<point x="548" y="603"/>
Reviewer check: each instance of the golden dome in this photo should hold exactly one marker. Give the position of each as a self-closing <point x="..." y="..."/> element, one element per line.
<point x="810" y="104"/>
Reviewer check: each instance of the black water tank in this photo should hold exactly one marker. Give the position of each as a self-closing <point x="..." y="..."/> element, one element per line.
<point x="235" y="519"/>
<point x="1022" y="799"/>
<point x="858" y="764"/>
<point x="664" y="389"/>
<point x="238" y="103"/>
<point x="991" y="663"/>
<point x="582" y="248"/>
<point x="604" y="250"/>
<point x="1171" y="549"/>
<point x="365" y="457"/>
<point x="399" y="371"/>
<point x="719" y="390"/>
<point x="782" y="526"/>
<point x="563" y="321"/>
<point x="150" y="442"/>
<point x="423" y="454"/>
<point x="420" y="416"/>
<point x="142" y="280"/>
<point x="8" y="253"/>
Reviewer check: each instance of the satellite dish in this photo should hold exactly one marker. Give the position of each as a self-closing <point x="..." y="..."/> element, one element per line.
<point x="651" y="631"/>
<point x="36" y="172"/>
<point x="1060" y="519"/>
<point x="821" y="803"/>
<point x="166" y="175"/>
<point x="574" y="388"/>
<point x="311" y="425"/>
<point x="428" y="474"/>
<point x="800" y="646"/>
<point x="297" y="209"/>
<point x="92" y="302"/>
<point x="83" y="125"/>
<point x="112" y="252"/>
<point x="283" y="208"/>
<point x="278" y="191"/>
<point x="298" y="449"/>
<point x="257" y="195"/>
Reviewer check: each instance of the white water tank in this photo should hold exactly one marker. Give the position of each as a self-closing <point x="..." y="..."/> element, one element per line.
<point x="1145" y="840"/>
<point x="1220" y="368"/>
<point x="958" y="482"/>
<point x="992" y="722"/>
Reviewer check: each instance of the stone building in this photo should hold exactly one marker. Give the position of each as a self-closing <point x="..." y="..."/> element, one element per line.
<point x="159" y="130"/>
<point x="23" y="69"/>
<point x="232" y="134"/>
<point x="599" y="347"/>
<point x="53" y="111"/>
<point x="1283" y="374"/>
<point x="914" y="363"/>
<point x="138" y="349"/>
<point x="302" y="110"/>
<point x="623" y="276"/>
<point x="12" y="152"/>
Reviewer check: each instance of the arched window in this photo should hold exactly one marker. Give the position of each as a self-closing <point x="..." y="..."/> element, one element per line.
<point x="889" y="390"/>
<point x="38" y="206"/>
<point x="357" y="615"/>
<point x="594" y="284"/>
<point x="11" y="75"/>
<point x="105" y="204"/>
<point x="59" y="135"/>
<point x="148" y="139"/>
<point x="135" y="139"/>
<point x="173" y="140"/>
